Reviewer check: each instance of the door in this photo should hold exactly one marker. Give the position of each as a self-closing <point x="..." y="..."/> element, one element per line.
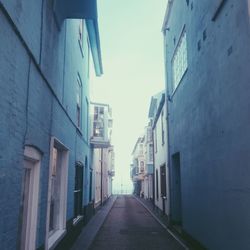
<point x="176" y="189"/>
<point x="32" y="159"/>
<point x="163" y="187"/>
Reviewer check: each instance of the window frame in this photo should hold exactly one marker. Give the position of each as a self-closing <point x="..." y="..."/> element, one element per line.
<point x="52" y="238"/>
<point x="176" y="83"/>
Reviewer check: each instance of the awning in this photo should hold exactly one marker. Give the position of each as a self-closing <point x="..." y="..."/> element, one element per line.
<point x="79" y="9"/>
<point x="94" y="40"/>
<point x="83" y="9"/>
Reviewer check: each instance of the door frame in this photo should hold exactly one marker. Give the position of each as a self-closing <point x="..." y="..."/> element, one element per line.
<point x="28" y="234"/>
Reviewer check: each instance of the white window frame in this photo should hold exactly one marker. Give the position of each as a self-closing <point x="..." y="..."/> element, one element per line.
<point x="28" y="238"/>
<point x="179" y="60"/>
<point x="53" y="239"/>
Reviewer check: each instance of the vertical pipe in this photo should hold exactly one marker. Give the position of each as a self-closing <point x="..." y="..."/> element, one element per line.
<point x="101" y="175"/>
<point x="153" y="166"/>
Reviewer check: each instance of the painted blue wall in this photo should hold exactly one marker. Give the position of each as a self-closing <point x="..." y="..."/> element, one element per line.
<point x="209" y="121"/>
<point x="39" y="66"/>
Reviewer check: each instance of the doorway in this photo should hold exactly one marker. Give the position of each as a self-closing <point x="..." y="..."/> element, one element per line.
<point x="30" y="193"/>
<point x="163" y="187"/>
<point x="176" y="190"/>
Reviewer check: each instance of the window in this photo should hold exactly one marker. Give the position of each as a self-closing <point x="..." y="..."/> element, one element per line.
<point x="98" y="121"/>
<point x="78" y="102"/>
<point x="150" y="153"/>
<point x="141" y="166"/>
<point x="162" y="128"/>
<point x="136" y="166"/>
<point x="30" y="193"/>
<point x="155" y="140"/>
<point x="149" y="134"/>
<point x="87" y="118"/>
<point x="57" y="197"/>
<point x="179" y="61"/>
<point x="78" y="192"/>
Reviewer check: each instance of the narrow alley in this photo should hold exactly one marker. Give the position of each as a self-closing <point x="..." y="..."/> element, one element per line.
<point x="124" y="125"/>
<point x="130" y="226"/>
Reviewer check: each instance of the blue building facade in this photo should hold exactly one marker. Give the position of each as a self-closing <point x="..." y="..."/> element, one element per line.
<point x="44" y="120"/>
<point x="207" y="82"/>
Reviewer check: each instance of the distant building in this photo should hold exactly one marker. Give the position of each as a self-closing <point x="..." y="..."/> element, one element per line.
<point x="161" y="173"/>
<point x="102" y="152"/>
<point x="137" y="170"/>
<point x="149" y="155"/>
<point x="207" y="58"/>
<point x="44" y="120"/>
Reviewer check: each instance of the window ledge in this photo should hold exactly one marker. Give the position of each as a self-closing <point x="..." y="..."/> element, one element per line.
<point x="55" y="238"/>
<point x="77" y="220"/>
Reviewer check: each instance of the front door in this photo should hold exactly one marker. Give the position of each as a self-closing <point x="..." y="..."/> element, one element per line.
<point x="176" y="185"/>
<point x="30" y="198"/>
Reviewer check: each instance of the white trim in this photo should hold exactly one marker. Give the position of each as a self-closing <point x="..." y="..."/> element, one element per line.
<point x="52" y="239"/>
<point x="32" y="161"/>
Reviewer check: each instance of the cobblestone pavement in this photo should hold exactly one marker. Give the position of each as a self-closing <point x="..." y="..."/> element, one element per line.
<point x="130" y="226"/>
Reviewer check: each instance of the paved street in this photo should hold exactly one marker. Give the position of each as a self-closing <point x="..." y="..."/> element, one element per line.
<point x="130" y="226"/>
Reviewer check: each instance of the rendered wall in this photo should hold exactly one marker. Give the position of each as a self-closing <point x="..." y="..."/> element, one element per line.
<point x="39" y="64"/>
<point x="209" y="121"/>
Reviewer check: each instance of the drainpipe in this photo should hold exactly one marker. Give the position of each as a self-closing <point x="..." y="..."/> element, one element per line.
<point x="168" y="102"/>
<point x="101" y="174"/>
<point x="153" y="166"/>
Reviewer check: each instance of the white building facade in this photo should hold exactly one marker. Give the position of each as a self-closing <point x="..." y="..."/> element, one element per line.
<point x="102" y="152"/>
<point x="161" y="174"/>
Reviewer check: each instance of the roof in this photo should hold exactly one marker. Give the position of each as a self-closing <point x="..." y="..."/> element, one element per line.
<point x="94" y="40"/>
<point x="136" y="145"/>
<point x="154" y="103"/>
<point x="159" y="109"/>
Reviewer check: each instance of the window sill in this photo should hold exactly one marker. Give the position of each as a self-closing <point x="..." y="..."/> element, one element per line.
<point x="77" y="220"/>
<point x="55" y="238"/>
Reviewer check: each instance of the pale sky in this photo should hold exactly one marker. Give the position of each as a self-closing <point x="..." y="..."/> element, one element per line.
<point x="132" y="54"/>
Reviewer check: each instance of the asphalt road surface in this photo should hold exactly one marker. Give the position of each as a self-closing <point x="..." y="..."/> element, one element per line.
<point x="130" y="226"/>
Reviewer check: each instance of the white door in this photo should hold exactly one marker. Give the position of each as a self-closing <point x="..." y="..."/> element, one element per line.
<point x="32" y="159"/>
